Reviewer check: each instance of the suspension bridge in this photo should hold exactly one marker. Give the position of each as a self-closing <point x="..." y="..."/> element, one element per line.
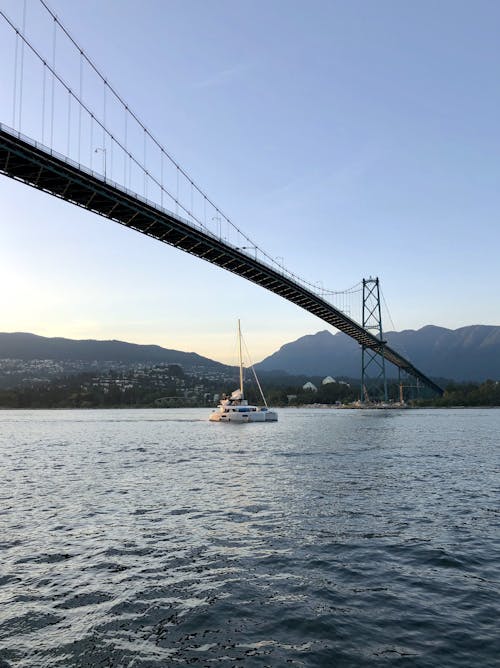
<point x="65" y="130"/>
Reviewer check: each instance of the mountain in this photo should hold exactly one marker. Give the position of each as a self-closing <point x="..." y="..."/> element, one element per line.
<point x="467" y="353"/>
<point x="25" y="346"/>
<point x="318" y="354"/>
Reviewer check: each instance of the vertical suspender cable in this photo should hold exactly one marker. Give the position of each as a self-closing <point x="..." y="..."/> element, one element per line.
<point x="104" y="156"/>
<point x="177" y="194"/>
<point x="15" y="84"/>
<point x="22" y="69"/>
<point x="104" y="117"/>
<point x="53" y="83"/>
<point x="44" y="84"/>
<point x="80" y="95"/>
<point x="125" y="151"/>
<point x="91" y="140"/>
<point x="69" y="123"/>
<point x="161" y="178"/>
<point x="144" y="165"/>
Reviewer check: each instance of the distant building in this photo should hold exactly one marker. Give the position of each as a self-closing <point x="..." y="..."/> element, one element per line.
<point x="309" y="386"/>
<point x="328" y="380"/>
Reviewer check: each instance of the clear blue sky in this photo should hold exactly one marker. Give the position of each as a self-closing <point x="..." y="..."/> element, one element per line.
<point x="350" y="138"/>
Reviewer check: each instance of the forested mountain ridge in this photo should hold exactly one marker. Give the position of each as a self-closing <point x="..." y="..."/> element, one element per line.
<point x="25" y="346"/>
<point x="467" y="353"/>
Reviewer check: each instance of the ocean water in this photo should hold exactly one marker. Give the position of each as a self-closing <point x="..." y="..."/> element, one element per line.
<point x="148" y="538"/>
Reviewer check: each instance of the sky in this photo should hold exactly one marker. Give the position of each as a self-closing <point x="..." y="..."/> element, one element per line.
<point x="351" y="139"/>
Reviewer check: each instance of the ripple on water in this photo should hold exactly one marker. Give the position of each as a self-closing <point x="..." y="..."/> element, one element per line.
<point x="150" y="538"/>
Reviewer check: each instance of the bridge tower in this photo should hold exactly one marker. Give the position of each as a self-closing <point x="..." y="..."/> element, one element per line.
<point x="373" y="378"/>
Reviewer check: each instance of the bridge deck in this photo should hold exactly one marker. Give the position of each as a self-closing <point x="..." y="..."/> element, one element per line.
<point x="37" y="166"/>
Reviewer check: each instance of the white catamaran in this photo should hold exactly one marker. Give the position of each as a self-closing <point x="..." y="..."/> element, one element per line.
<point x="236" y="408"/>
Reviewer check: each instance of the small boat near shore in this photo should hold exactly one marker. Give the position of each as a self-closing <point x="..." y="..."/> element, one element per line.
<point x="235" y="408"/>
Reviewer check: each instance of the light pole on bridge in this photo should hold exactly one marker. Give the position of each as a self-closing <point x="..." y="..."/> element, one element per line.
<point x="103" y="150"/>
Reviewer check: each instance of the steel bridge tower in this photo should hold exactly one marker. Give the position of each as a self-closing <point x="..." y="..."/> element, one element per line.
<point x="373" y="378"/>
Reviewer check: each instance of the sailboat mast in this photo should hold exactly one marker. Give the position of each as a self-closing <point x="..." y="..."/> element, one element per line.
<point x="241" y="358"/>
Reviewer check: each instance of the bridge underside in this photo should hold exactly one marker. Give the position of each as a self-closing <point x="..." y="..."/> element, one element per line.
<point x="36" y="166"/>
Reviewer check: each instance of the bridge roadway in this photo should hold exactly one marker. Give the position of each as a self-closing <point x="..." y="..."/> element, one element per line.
<point x="35" y="165"/>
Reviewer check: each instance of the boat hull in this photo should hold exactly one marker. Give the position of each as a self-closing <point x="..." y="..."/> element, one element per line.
<point x="238" y="417"/>
<point x="243" y="417"/>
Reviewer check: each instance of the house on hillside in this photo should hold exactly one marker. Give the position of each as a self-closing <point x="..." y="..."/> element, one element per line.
<point x="309" y="386"/>
<point x="328" y="380"/>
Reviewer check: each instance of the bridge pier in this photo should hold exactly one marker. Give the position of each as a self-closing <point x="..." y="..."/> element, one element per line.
<point x="373" y="376"/>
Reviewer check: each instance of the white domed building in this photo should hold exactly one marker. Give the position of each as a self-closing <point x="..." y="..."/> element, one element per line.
<point x="309" y="386"/>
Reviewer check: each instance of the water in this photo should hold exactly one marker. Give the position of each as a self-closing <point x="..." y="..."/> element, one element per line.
<point x="332" y="538"/>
